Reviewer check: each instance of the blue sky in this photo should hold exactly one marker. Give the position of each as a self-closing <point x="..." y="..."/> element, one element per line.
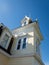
<point x="13" y="11"/>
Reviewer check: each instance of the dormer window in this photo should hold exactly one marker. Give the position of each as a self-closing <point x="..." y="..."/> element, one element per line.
<point x="4" y="41"/>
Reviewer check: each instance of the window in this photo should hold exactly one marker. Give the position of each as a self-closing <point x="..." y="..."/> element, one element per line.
<point x="24" y="23"/>
<point x="19" y="44"/>
<point x="24" y="43"/>
<point x="4" y="41"/>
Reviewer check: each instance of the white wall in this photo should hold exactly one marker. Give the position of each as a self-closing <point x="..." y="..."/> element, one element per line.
<point x="22" y="61"/>
<point x="30" y="44"/>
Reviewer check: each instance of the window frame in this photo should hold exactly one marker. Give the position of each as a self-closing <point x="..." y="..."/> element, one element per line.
<point x="4" y="41"/>
<point x="24" y="23"/>
<point x="19" y="44"/>
<point x="24" y="43"/>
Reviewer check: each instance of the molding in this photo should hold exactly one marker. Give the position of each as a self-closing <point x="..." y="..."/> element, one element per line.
<point x="38" y="59"/>
<point x="24" y="55"/>
<point x="34" y="24"/>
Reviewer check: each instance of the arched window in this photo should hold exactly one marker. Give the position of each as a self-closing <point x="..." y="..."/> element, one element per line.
<point x="19" y="44"/>
<point x="24" y="43"/>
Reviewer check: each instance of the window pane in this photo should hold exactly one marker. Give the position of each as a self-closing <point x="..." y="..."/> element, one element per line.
<point x="37" y="47"/>
<point x="19" y="43"/>
<point x="24" y="23"/>
<point x="4" y="41"/>
<point x="24" y="43"/>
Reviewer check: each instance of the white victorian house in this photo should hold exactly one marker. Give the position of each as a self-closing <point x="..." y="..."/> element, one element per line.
<point x="21" y="46"/>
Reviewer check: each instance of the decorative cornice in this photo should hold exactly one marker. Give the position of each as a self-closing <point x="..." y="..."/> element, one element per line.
<point x="38" y="59"/>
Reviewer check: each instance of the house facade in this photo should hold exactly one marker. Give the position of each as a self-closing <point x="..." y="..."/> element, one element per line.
<point x="22" y="45"/>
